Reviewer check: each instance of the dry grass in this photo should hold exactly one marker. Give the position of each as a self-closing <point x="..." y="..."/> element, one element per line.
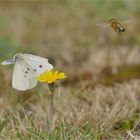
<point x="108" y="110"/>
<point x="87" y="106"/>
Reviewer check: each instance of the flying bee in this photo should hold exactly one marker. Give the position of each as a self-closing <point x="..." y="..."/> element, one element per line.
<point x="115" y="25"/>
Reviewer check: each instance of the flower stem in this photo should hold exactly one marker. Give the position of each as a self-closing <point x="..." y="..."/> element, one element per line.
<point x="51" y="114"/>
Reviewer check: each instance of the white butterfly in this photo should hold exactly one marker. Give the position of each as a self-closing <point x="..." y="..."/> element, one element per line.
<point x="26" y="68"/>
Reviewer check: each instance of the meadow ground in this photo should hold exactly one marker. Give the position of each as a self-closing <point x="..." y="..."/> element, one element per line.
<point x="100" y="99"/>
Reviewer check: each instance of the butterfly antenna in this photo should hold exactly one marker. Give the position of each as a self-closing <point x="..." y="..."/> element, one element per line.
<point x="25" y="47"/>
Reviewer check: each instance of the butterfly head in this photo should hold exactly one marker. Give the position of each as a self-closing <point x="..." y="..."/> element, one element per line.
<point x="17" y="56"/>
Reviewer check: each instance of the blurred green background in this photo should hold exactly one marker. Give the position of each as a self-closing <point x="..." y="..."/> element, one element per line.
<point x="39" y="25"/>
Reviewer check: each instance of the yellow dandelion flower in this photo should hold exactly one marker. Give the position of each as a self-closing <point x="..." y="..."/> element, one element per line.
<point x="51" y="76"/>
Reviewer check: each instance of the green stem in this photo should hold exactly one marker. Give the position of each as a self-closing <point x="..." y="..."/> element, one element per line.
<point x="51" y="115"/>
<point x="32" y="123"/>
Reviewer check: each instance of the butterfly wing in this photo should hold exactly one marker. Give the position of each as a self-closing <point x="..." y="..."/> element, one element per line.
<point x="27" y="67"/>
<point x="23" y="76"/>
<point x="38" y="64"/>
<point x="8" y="62"/>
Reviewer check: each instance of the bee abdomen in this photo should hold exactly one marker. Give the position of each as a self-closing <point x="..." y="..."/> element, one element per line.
<point x="121" y="29"/>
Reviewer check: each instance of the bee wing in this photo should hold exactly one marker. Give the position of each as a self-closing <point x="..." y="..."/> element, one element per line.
<point x="126" y="22"/>
<point x="103" y="25"/>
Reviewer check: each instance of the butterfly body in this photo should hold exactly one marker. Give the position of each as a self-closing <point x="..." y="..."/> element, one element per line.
<point x="26" y="68"/>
